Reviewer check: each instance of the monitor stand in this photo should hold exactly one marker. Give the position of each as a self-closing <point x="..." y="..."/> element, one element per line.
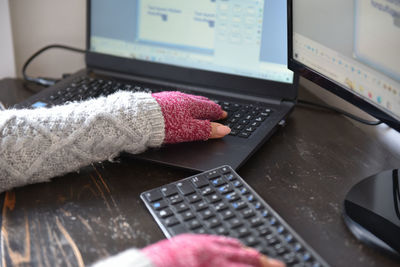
<point x="372" y="211"/>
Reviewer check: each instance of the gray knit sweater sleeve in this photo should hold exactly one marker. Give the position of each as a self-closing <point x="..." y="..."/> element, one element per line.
<point x="38" y="144"/>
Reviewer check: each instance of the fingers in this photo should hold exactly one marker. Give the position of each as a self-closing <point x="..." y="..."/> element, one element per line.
<point x="218" y="130"/>
<point x="269" y="262"/>
<point x="224" y="114"/>
<point x="226" y="241"/>
<point x="205" y="109"/>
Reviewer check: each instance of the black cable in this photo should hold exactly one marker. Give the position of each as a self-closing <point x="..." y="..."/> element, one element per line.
<point x="42" y="80"/>
<point x="338" y="110"/>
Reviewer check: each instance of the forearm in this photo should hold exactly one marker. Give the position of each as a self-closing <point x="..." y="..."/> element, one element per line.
<point x="36" y="145"/>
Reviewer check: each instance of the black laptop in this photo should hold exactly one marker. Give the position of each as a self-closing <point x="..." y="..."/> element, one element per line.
<point x="232" y="51"/>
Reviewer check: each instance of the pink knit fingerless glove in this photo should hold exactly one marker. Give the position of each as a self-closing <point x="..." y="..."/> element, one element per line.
<point x="187" y="117"/>
<point x="190" y="250"/>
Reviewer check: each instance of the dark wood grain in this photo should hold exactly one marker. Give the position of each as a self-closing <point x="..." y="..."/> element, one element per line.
<point x="303" y="172"/>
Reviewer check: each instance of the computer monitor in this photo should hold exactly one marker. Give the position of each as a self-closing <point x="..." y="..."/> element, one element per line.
<point x="352" y="48"/>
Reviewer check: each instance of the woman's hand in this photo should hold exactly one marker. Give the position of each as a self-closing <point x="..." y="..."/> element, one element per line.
<point x="187" y="117"/>
<point x="191" y="250"/>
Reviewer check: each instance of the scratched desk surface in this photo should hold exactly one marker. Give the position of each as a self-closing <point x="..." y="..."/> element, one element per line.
<point x="303" y="172"/>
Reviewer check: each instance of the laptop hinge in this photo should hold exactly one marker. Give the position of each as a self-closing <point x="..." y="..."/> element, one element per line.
<point x="200" y="89"/>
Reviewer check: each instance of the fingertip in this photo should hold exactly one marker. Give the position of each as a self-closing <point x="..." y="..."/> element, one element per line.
<point x="223" y="130"/>
<point x="269" y="262"/>
<point x="218" y="130"/>
<point x="224" y="114"/>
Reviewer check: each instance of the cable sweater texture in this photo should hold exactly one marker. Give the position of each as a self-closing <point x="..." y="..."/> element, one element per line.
<point x="38" y="144"/>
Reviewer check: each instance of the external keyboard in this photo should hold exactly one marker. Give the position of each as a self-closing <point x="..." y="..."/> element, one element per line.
<point x="243" y="119"/>
<point x="220" y="202"/>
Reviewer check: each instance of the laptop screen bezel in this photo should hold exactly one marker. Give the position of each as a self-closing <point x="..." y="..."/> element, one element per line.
<point x="328" y="84"/>
<point x="188" y="76"/>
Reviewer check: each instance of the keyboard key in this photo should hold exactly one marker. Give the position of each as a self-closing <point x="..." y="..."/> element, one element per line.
<point x="250" y="129"/>
<point x="218" y="181"/>
<point x="264" y="213"/>
<point x="206" y="214"/>
<point x="213" y="198"/>
<point x="200" y="206"/>
<point x="233" y="132"/>
<point x="271" y="240"/>
<point x="259" y="119"/>
<point x="193" y="224"/>
<point x="289" y="238"/>
<point x="159" y="205"/>
<point x="251" y="198"/>
<point x="199" y="181"/>
<point x="297" y="247"/>
<point x="169" y="190"/>
<point x="220" y="206"/>
<point x="165" y="213"/>
<point x="243" y="231"/>
<point x="237" y="183"/>
<point x="264" y="230"/>
<point x="171" y="221"/>
<point x="187" y="215"/>
<point x="221" y="231"/>
<point x="247" y="213"/>
<point x="185" y="188"/>
<point x="254" y="222"/>
<point x="225" y="170"/>
<point x="200" y="231"/>
<point x="213" y="222"/>
<point x="227" y="214"/>
<point x="206" y="191"/>
<point x="251" y="241"/>
<point x="212" y="174"/>
<point x="225" y="189"/>
<point x="239" y="205"/>
<point x="257" y="205"/>
<point x="153" y="195"/>
<point x="280" y="229"/>
<point x="280" y="249"/>
<point x="238" y="127"/>
<point x="175" y="199"/>
<point x="194" y="198"/>
<point x="244" y="134"/>
<point x="181" y="207"/>
<point x="230" y="177"/>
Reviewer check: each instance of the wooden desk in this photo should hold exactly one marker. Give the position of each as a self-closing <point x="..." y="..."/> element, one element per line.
<point x="303" y="172"/>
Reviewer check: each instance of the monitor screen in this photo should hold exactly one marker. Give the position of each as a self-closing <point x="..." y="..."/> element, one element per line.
<point x="245" y="38"/>
<point x="354" y="44"/>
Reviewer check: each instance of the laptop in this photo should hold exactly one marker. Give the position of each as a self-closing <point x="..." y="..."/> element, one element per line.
<point x="232" y="51"/>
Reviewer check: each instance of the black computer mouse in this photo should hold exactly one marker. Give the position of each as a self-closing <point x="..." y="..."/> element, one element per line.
<point x="372" y="211"/>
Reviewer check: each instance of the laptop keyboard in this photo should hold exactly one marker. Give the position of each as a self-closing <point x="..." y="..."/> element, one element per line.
<point x="220" y="202"/>
<point x="243" y="119"/>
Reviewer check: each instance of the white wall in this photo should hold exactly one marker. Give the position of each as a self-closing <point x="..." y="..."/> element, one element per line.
<point x="7" y="65"/>
<point x="37" y="23"/>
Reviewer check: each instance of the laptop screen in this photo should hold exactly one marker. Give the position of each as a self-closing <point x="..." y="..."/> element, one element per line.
<point x="245" y="38"/>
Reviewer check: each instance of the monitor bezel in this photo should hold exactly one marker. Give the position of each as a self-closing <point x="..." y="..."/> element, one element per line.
<point x="328" y="84"/>
<point x="235" y="84"/>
